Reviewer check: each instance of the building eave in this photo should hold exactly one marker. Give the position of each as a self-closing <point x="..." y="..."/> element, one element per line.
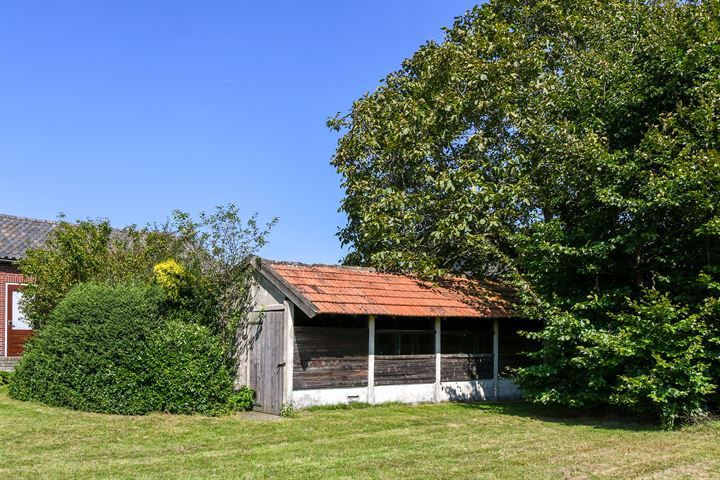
<point x="264" y="269"/>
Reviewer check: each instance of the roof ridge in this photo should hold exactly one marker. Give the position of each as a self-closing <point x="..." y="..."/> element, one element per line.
<point x="18" y="234"/>
<point x="17" y="217"/>
<point x="434" y="283"/>
<point x="64" y="220"/>
<point x="326" y="265"/>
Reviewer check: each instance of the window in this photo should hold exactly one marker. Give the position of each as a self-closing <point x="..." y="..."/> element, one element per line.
<point x="469" y="336"/>
<point x="466" y="342"/>
<point x="404" y="336"/>
<point x="329" y="320"/>
<point x="404" y="343"/>
<point x="514" y="345"/>
<point x="19" y="321"/>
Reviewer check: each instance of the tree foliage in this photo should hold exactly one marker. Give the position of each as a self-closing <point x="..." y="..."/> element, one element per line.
<point x="573" y="149"/>
<point x="199" y="263"/>
<point x="90" y="251"/>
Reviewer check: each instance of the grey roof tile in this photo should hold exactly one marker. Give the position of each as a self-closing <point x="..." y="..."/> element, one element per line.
<point x="17" y="234"/>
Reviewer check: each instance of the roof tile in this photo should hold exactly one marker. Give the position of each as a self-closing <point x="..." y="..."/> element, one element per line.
<point x="17" y="234"/>
<point x="364" y="291"/>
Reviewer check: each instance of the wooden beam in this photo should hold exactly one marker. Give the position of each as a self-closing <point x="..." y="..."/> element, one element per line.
<point x="371" y="360"/>
<point x="288" y="290"/>
<point x="273" y="307"/>
<point x="496" y="357"/>
<point x="438" y="359"/>
<point x="246" y="352"/>
<point x="289" y="350"/>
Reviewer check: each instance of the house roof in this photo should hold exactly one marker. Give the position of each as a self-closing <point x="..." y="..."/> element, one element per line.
<point x="17" y="234"/>
<point x="318" y="289"/>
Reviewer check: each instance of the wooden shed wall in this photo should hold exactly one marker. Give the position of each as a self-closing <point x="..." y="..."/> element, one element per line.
<point x="513" y="345"/>
<point x="330" y="357"/>
<point x="330" y="351"/>
<point x="404" y="369"/>
<point x="464" y="367"/>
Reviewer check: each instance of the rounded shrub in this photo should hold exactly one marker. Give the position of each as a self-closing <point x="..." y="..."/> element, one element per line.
<point x="91" y="355"/>
<point x="108" y="348"/>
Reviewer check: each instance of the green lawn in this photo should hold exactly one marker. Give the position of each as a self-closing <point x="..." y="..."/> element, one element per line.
<point x="426" y="441"/>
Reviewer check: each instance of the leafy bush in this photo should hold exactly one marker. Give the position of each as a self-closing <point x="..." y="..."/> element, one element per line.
<point x="656" y="360"/>
<point x="163" y="338"/>
<point x="172" y="277"/>
<point x="5" y="378"/>
<point x="666" y="362"/>
<point x="188" y="369"/>
<point x="91" y="355"/>
<point x="108" y="348"/>
<point x="242" y="399"/>
<point x="287" y="410"/>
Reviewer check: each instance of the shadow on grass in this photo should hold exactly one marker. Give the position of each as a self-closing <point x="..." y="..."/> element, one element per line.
<point x="605" y="419"/>
<point x="601" y="418"/>
<point x="350" y="406"/>
<point x="337" y="406"/>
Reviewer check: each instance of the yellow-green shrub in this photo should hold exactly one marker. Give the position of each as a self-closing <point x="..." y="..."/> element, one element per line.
<point x="172" y="278"/>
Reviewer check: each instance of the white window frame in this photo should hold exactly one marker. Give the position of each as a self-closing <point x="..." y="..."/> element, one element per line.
<point x="8" y="304"/>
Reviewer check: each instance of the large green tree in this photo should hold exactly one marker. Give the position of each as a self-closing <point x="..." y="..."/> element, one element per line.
<point x="570" y="147"/>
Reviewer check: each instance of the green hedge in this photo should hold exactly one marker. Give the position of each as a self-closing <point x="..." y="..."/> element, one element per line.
<point x="108" y="348"/>
<point x="188" y="369"/>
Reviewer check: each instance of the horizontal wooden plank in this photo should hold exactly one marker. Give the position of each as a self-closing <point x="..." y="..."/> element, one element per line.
<point x="510" y="361"/>
<point x="330" y="357"/>
<point x="462" y="368"/>
<point x="404" y="369"/>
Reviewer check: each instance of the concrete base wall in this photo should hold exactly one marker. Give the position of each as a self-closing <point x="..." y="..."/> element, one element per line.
<point x="328" y="396"/>
<point x="479" y="390"/>
<point x="404" y="393"/>
<point x="508" y="390"/>
<point x="7" y="364"/>
<point x="473" y="391"/>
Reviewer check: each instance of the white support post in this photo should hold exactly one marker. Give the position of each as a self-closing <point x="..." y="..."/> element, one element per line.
<point x="496" y="357"/>
<point x="438" y="360"/>
<point x="289" y="350"/>
<point x="371" y="360"/>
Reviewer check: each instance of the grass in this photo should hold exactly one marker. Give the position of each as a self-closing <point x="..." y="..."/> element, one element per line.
<point x="475" y="441"/>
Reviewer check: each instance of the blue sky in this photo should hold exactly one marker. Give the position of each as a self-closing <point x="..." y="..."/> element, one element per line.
<point x="127" y="110"/>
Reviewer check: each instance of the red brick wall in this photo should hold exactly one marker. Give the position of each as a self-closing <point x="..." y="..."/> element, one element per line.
<point x="8" y="274"/>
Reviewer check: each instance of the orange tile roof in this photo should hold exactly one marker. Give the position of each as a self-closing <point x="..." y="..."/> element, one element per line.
<point x="364" y="291"/>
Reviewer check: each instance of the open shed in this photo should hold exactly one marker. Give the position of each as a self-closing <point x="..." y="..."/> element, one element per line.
<point x="325" y="334"/>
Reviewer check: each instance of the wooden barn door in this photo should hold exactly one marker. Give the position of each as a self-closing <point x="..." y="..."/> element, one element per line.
<point x="267" y="364"/>
<point x="18" y="328"/>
